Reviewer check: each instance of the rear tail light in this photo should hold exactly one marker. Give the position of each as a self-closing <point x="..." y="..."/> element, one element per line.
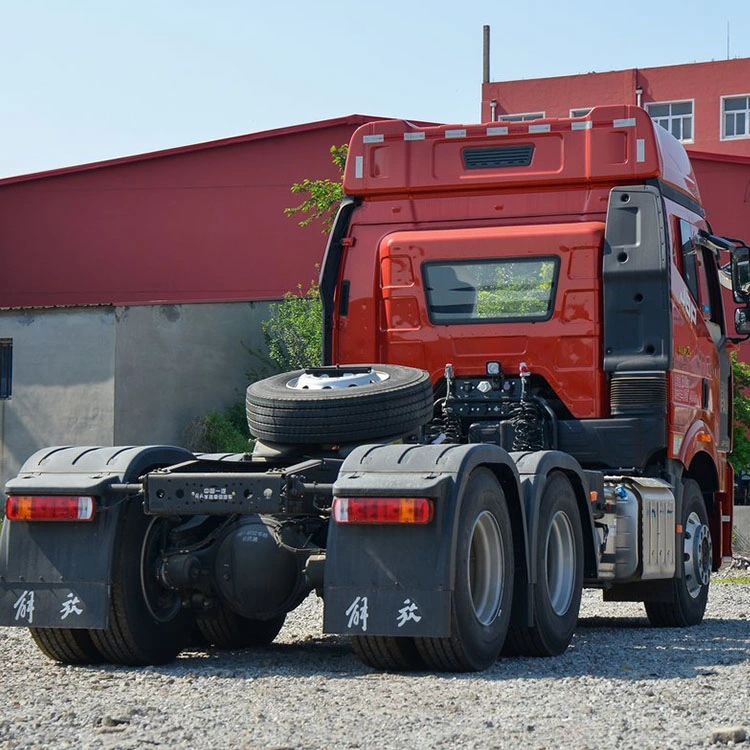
<point x="49" y="508"/>
<point x="406" y="510"/>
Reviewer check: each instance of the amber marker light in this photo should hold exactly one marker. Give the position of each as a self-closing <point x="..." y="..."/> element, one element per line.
<point x="49" y="508"/>
<point x="390" y="510"/>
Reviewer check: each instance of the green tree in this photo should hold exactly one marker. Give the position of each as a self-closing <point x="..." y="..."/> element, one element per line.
<point x="294" y="332"/>
<point x="323" y="196"/>
<point x="740" y="455"/>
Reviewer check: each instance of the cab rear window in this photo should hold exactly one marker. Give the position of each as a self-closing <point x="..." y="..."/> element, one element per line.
<point x="490" y="291"/>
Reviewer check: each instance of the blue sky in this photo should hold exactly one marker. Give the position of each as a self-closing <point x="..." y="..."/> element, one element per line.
<point x="85" y="80"/>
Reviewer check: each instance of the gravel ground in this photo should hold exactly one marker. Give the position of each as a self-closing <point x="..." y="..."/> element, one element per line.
<point x="620" y="684"/>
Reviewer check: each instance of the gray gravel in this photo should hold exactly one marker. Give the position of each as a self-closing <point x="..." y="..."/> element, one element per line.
<point x="620" y="684"/>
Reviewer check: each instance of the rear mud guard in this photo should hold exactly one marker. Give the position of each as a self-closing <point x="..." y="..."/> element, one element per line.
<point x="399" y="579"/>
<point x="58" y="574"/>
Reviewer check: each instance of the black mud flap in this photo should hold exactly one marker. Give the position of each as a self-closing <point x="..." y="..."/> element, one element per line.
<point x="393" y="580"/>
<point x="58" y="574"/>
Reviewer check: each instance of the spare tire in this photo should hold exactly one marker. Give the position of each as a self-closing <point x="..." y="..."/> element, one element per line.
<point x="342" y="404"/>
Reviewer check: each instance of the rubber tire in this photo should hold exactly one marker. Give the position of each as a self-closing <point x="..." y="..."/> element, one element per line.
<point x="66" y="645"/>
<point x="473" y="646"/>
<point x="387" y="653"/>
<point x="227" y="629"/>
<point x="682" y="610"/>
<point x="551" y="633"/>
<point x="133" y="636"/>
<point x="396" y="406"/>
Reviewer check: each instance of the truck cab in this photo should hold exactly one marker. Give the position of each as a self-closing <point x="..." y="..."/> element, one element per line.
<point x="573" y="250"/>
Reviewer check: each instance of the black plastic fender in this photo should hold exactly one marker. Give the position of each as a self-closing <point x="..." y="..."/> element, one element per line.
<point x="534" y="469"/>
<point x="58" y="574"/>
<point x="398" y="580"/>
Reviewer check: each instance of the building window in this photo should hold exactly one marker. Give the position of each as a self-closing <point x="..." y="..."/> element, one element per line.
<point x="580" y="112"/>
<point x="735" y="116"/>
<point x="522" y="117"/>
<point x="675" y="117"/>
<point x="6" y="367"/>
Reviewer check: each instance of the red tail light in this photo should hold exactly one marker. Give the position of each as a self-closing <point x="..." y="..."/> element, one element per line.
<point x="419" y="510"/>
<point x="49" y="508"/>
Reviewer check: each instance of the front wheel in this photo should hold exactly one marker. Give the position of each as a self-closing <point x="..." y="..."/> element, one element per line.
<point x="689" y="594"/>
<point x="483" y="588"/>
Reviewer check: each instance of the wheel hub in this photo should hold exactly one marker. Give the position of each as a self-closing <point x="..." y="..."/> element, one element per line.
<point x="162" y="603"/>
<point x="560" y="555"/>
<point x="486" y="570"/>
<point x="697" y="553"/>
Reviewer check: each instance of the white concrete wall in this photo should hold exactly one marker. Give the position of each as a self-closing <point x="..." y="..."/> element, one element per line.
<point x="123" y="376"/>
<point x="63" y="381"/>
<point x="177" y="362"/>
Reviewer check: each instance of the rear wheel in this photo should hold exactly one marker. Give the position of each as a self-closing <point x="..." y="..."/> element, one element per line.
<point x="146" y="622"/>
<point x="483" y="589"/>
<point x="689" y="594"/>
<point x="387" y="653"/>
<point x="559" y="574"/>
<point x="66" y="645"/>
<point x="227" y="629"/>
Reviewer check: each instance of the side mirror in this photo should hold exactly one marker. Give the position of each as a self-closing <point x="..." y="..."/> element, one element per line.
<point x="741" y="274"/>
<point x="742" y="321"/>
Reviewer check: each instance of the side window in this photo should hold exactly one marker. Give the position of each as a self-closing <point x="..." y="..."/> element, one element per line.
<point x="689" y="259"/>
<point x="711" y="304"/>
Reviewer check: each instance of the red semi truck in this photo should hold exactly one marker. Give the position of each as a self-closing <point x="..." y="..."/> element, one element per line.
<point x="543" y="404"/>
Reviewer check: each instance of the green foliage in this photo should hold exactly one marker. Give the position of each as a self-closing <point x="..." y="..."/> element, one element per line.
<point x="221" y="431"/>
<point x="740" y="455"/>
<point x="517" y="289"/>
<point x="323" y="196"/>
<point x="743" y="580"/>
<point x="294" y="332"/>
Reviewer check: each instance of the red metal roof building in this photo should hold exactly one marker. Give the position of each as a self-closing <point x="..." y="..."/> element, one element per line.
<point x="200" y="223"/>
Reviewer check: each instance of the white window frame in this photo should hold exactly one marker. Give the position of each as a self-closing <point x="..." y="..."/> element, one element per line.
<point x="583" y="110"/>
<point x="671" y="117"/>
<point x="522" y="116"/>
<point x="722" y="134"/>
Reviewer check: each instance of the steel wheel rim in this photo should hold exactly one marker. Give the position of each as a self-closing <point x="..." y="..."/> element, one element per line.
<point x="560" y="560"/>
<point x="486" y="569"/>
<point x="696" y="555"/>
<point x="308" y="381"/>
